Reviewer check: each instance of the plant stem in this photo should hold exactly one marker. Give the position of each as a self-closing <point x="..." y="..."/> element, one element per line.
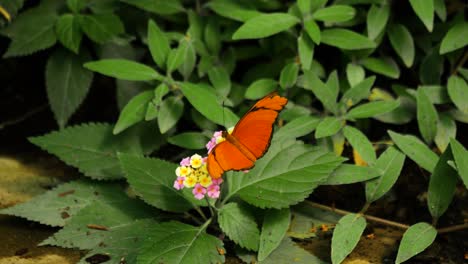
<point x="452" y="228"/>
<point x="201" y="213"/>
<point x="191" y="216"/>
<point x="461" y="62"/>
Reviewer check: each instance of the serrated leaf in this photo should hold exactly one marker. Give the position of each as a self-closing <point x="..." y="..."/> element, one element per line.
<point x="298" y="127"/>
<point x="358" y="92"/>
<point x="427" y="116"/>
<point x="372" y="109"/>
<point x="238" y="11"/>
<point x="346" y="39"/>
<point x="265" y="25"/>
<point x="153" y="180"/>
<point x="288" y="75"/>
<point x="162" y="7"/>
<point x="442" y="185"/>
<point x="77" y="234"/>
<point x="57" y="205"/>
<point x="335" y="13"/>
<point x="188" y="244"/>
<point x="189" y="140"/>
<point x="305" y="48"/>
<point x="326" y="96"/>
<point x="417" y="238"/>
<point x="286" y="175"/>
<point x="133" y="112"/>
<point x="68" y="32"/>
<point x="460" y="157"/>
<point x="377" y="18"/>
<point x="260" y="88"/>
<point x="289" y="252"/>
<point x="313" y="30"/>
<point x="458" y="91"/>
<point x="346" y="235"/>
<point x="402" y="42"/>
<point x="124" y="70"/>
<point x="360" y="143"/>
<point x="354" y="74"/>
<point x="328" y="126"/>
<point x="274" y="227"/>
<point x="67" y="83"/>
<point x="390" y="163"/>
<point x="92" y="148"/>
<point x="455" y="38"/>
<point x="101" y="27"/>
<point x="170" y="112"/>
<point x="446" y="130"/>
<point x="239" y="224"/>
<point x="158" y="44"/>
<point x="416" y="150"/>
<point x="425" y="11"/>
<point x="347" y="173"/>
<point x="220" y="80"/>
<point x="384" y="66"/>
<point x="204" y="100"/>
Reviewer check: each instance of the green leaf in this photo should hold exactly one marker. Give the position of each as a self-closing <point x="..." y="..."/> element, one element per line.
<point x="161" y="7"/>
<point x="384" y="66"/>
<point x="372" y="109"/>
<point x="313" y="30"/>
<point x="56" y="206"/>
<point x="305" y="6"/>
<point x="455" y="38"/>
<point x="69" y="32"/>
<point x="99" y="212"/>
<point x="355" y="74"/>
<point x="239" y="225"/>
<point x="425" y="11"/>
<point x="333" y="84"/>
<point x="204" y="100"/>
<point x="346" y="235"/>
<point x="260" y="88"/>
<point x="415" y="240"/>
<point x="390" y="163"/>
<point x="446" y="130"/>
<point x="153" y="179"/>
<point x="442" y="185"/>
<point x="347" y="173"/>
<point x="188" y="244"/>
<point x="170" y="112"/>
<point x="298" y="127"/>
<point x="458" y="91"/>
<point x="335" y="13"/>
<point x="124" y="70"/>
<point x="427" y="116"/>
<point x="440" y="9"/>
<point x="275" y="225"/>
<point x="101" y="27"/>
<point x="290" y="252"/>
<point x="326" y="96"/>
<point x="265" y="25"/>
<point x="360" y="143"/>
<point x="431" y="67"/>
<point x="286" y="175"/>
<point x="67" y="83"/>
<point x="190" y="58"/>
<point x="377" y="18"/>
<point x="304" y="216"/>
<point x="133" y="112"/>
<point x="358" y="92"/>
<point x="288" y="75"/>
<point x="305" y="48"/>
<point x="220" y="80"/>
<point x="189" y="140"/>
<point x="437" y="94"/>
<point x="152" y="110"/>
<point x="346" y="39"/>
<point x="416" y="150"/>
<point x="402" y="42"/>
<point x="31" y="32"/>
<point x="176" y="56"/>
<point x="212" y="36"/>
<point x="329" y="126"/>
<point x="238" y="11"/>
<point x="158" y="44"/>
<point x="460" y="156"/>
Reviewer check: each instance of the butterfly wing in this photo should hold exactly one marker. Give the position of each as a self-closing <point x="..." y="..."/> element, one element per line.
<point x="252" y="133"/>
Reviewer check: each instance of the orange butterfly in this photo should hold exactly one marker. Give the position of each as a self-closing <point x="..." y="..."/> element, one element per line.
<point x="250" y="138"/>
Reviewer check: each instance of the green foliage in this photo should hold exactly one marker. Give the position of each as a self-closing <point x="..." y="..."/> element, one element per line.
<point x="265" y="25"/>
<point x="417" y="238"/>
<point x="346" y="235"/>
<point x="274" y="227"/>
<point x="347" y="173"/>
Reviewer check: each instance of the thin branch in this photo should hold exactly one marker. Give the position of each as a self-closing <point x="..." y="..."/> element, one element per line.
<point x="23" y="117"/>
<point x="461" y="62"/>
<point x="452" y="228"/>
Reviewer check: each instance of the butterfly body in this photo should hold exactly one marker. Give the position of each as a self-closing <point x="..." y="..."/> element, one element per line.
<point x="250" y="138"/>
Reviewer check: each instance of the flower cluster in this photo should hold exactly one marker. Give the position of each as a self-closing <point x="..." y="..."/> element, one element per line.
<point x="192" y="173"/>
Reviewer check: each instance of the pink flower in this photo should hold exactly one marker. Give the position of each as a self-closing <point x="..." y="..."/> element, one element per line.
<point x="185" y="162"/>
<point x="199" y="192"/>
<point x="213" y="191"/>
<point x="217" y="181"/>
<point x="210" y="145"/>
<point x="179" y="183"/>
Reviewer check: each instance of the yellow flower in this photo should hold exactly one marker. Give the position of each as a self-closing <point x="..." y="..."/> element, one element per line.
<point x="205" y="180"/>
<point x="183" y="171"/>
<point x="190" y="181"/>
<point x="196" y="161"/>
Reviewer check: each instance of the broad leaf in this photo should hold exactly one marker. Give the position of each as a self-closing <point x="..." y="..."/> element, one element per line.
<point x="265" y="25"/>
<point x="313" y="30"/>
<point x="238" y="222"/>
<point x="416" y="150"/>
<point x="384" y="66"/>
<point x="162" y="7"/>
<point x="425" y="11"/>
<point x="334" y="13"/>
<point x="288" y="75"/>
<point x="101" y="27"/>
<point x="134" y="111"/>
<point x="260" y="88"/>
<point x="274" y="227"/>
<point x="458" y="91"/>
<point x="124" y="70"/>
<point x="346" y="235"/>
<point x="360" y="143"/>
<point x="415" y="240"/>
<point x="67" y="83"/>
<point x="377" y="18"/>
<point x="460" y="156"/>
<point x="329" y="126"/>
<point x="305" y="48"/>
<point x="346" y="39"/>
<point x="446" y="130"/>
<point x="239" y="11"/>
<point x="69" y="32"/>
<point x="220" y="80"/>
<point x="372" y="109"/>
<point x="347" y="173"/>
<point x="298" y="127"/>
<point x="188" y="244"/>
<point x="358" y="92"/>
<point x="189" y="140"/>
<point x="455" y="38"/>
<point x="390" y="163"/>
<point x="354" y="74"/>
<point x="158" y="44"/>
<point x="170" y="112"/>
<point x="402" y="42"/>
<point x="326" y="96"/>
<point x="427" y="116"/>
